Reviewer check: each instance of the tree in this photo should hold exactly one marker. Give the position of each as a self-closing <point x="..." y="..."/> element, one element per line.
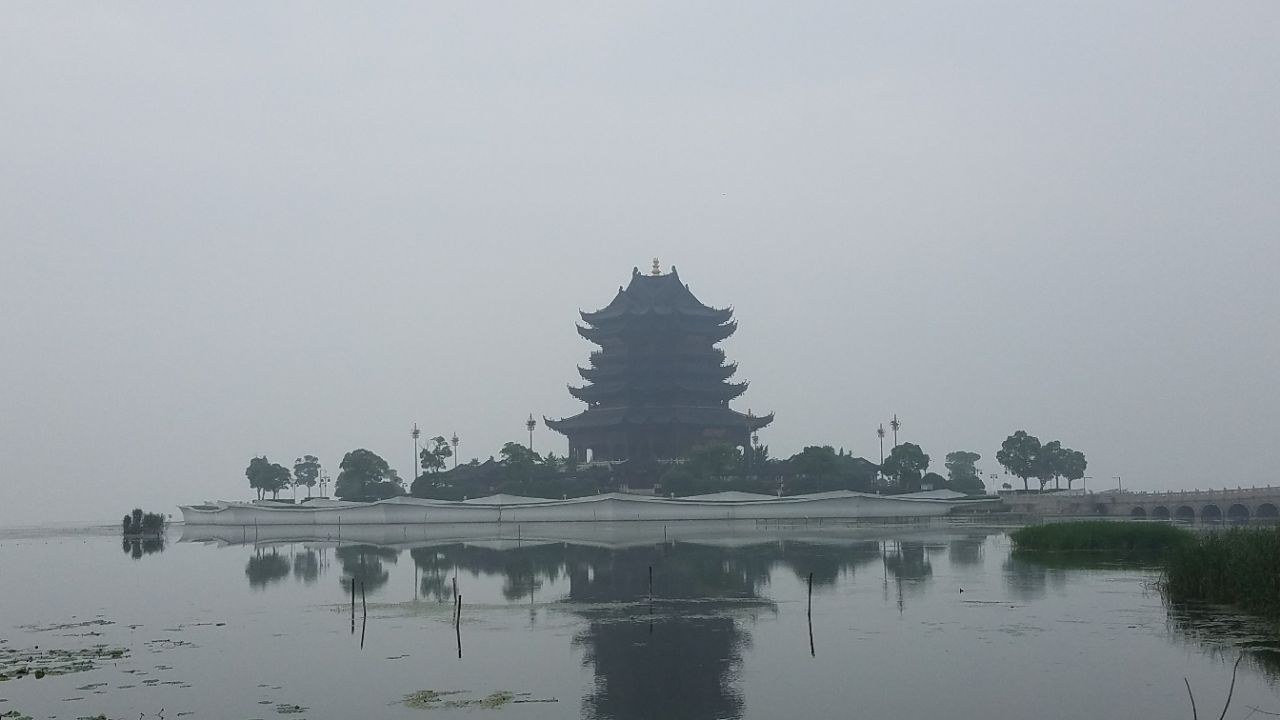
<point x="906" y="464"/>
<point x="434" y="455"/>
<point x="1047" y="463"/>
<point x="1072" y="465"/>
<point x="266" y="476"/>
<point x="1019" y="454"/>
<point x="365" y="476"/>
<point x="306" y="471"/>
<point x="961" y="473"/>
<point x="815" y="461"/>
<point x="280" y="479"/>
<point x="518" y="461"/>
<point x="933" y="481"/>
<point x="714" y="460"/>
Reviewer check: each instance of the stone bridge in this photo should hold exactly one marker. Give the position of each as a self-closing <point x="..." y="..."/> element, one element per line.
<point x="1205" y="506"/>
<point x="1237" y="506"/>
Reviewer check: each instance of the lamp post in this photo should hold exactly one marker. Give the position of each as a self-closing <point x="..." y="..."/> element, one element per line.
<point x="454" y="442"/>
<point x="1119" y="486"/>
<point x="1086" y="480"/>
<point x="417" y="454"/>
<point x="895" y="424"/>
<point x="530" y="425"/>
<point x="880" y="434"/>
<point x="324" y="483"/>
<point x="994" y="477"/>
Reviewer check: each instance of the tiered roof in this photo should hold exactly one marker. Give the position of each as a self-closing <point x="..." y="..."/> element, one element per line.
<point x="657" y="362"/>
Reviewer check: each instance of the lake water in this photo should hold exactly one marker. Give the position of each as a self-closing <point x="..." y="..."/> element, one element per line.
<point x="557" y="621"/>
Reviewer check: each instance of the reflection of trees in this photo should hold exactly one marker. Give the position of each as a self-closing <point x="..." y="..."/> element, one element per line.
<point x="967" y="550"/>
<point x="306" y="566"/>
<point x="827" y="563"/>
<point x="906" y="560"/>
<point x="363" y="564"/>
<point x="264" y="568"/>
<point x="1027" y="579"/>
<point x="137" y="547"/>
<point x="524" y="569"/>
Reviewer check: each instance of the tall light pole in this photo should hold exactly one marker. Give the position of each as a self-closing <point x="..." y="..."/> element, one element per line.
<point x="880" y="434"/>
<point x="454" y="442"/>
<point x="530" y="425"/>
<point x="895" y="424"/>
<point x="416" y="433"/>
<point x="1119" y="486"/>
<point x="1086" y="480"/>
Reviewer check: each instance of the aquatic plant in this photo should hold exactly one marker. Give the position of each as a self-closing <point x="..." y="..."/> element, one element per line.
<point x="1239" y="566"/>
<point x="1095" y="535"/>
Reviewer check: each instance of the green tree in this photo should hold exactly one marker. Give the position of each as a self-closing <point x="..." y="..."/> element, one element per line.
<point x="306" y="472"/>
<point x="712" y="461"/>
<point x="433" y="456"/>
<point x="266" y="476"/>
<point x="1048" y="462"/>
<point x="365" y="476"/>
<point x="961" y="473"/>
<point x="906" y="465"/>
<point x="518" y="461"/>
<point x="1020" y="455"/>
<point x="1072" y="465"/>
<point x="933" y="481"/>
<point x="815" y="461"/>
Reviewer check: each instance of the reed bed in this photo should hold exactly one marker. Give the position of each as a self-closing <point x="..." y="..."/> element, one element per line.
<point x="1102" y="535"/>
<point x="1239" y="566"/>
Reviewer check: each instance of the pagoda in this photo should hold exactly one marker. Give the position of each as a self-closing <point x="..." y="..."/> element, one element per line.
<point x="658" y="386"/>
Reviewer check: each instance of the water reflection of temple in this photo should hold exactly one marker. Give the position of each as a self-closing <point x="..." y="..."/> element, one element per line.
<point x="675" y="656"/>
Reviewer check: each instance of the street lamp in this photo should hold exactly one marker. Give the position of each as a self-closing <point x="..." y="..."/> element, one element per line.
<point x="895" y="424"/>
<point x="416" y="433"/>
<point x="454" y="442"/>
<point x="1119" y="486"/>
<point x="324" y="483"/>
<point x="530" y="425"/>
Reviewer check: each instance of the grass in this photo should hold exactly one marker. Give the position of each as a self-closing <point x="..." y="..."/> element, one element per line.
<point x="1102" y="535"/>
<point x="1240" y="567"/>
<point x="1236" y="566"/>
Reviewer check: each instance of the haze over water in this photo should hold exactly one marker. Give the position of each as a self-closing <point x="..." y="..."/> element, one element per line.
<point x="560" y="617"/>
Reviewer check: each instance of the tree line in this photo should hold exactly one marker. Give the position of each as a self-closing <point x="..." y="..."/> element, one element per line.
<point x="715" y="467"/>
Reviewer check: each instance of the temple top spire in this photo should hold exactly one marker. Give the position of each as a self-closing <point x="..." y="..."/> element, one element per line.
<point x="657" y="269"/>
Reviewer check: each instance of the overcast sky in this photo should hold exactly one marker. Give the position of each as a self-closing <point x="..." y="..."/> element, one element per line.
<point x="230" y="229"/>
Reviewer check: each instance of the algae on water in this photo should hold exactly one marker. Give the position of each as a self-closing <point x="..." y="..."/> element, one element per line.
<point x="442" y="700"/>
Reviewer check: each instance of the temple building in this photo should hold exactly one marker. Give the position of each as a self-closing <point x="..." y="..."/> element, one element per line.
<point x="658" y="386"/>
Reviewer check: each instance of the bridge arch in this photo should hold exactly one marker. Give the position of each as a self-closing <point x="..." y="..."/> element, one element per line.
<point x="1211" y="514"/>
<point x="1160" y="512"/>
<point x="1238" y="514"/>
<point x="1267" y="511"/>
<point x="1138" y="513"/>
<point x="1184" y="513"/>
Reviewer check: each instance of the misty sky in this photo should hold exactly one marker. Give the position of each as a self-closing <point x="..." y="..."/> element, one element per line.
<point x="229" y="229"/>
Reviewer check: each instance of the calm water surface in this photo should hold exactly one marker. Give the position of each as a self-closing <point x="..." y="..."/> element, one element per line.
<point x="216" y="625"/>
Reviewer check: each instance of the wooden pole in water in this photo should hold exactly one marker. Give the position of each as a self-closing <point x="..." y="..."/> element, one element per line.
<point x="364" y="618"/>
<point x="810" y="594"/>
<point x="353" y="606"/>
<point x="650" y="584"/>
<point x="457" y="626"/>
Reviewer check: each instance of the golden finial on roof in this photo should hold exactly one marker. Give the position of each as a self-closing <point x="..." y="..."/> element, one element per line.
<point x="657" y="269"/>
